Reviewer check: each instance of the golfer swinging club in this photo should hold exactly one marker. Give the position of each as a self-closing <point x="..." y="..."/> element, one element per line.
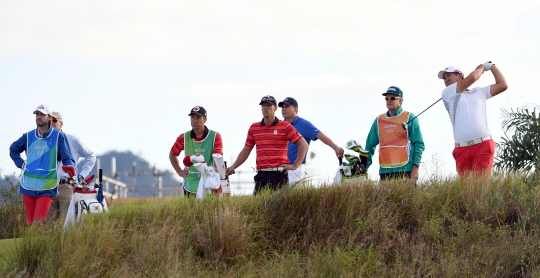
<point x="474" y="148"/>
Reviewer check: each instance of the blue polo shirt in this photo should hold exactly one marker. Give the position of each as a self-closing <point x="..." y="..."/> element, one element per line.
<point x="308" y="131"/>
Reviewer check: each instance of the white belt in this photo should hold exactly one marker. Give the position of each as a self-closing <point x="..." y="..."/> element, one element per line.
<point x="473" y="142"/>
<point x="272" y="169"/>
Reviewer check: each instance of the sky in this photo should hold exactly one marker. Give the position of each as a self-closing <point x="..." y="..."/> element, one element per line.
<point x="125" y="74"/>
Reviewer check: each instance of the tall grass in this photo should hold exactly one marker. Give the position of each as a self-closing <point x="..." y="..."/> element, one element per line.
<point x="12" y="215"/>
<point x="437" y="229"/>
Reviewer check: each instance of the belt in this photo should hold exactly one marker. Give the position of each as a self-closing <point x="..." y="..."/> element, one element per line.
<point x="272" y="169"/>
<point x="473" y="142"/>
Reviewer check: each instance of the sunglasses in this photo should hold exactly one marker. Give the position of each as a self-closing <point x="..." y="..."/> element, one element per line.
<point x="55" y="120"/>
<point x="391" y="98"/>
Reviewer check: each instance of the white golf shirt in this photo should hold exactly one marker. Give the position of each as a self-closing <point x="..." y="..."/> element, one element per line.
<point x="467" y="112"/>
<point x="78" y="150"/>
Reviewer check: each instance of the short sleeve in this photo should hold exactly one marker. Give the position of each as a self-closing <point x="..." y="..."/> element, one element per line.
<point x="449" y="93"/>
<point x="292" y="134"/>
<point x="487" y="92"/>
<point x="250" y="141"/>
<point x="218" y="144"/>
<point x="178" y="145"/>
<point x="312" y="131"/>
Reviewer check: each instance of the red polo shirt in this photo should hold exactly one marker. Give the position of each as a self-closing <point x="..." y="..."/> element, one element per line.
<point x="271" y="142"/>
<point x="179" y="144"/>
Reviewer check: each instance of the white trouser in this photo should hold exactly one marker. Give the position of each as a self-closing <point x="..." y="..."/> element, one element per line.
<point x="298" y="174"/>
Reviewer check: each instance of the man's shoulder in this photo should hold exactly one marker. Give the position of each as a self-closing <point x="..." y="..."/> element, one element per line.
<point x="284" y="124"/>
<point x="255" y="125"/>
<point x="70" y="136"/>
<point x="303" y="121"/>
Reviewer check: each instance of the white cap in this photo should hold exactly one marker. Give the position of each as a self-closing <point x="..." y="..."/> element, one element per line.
<point x="44" y="108"/>
<point x="449" y="69"/>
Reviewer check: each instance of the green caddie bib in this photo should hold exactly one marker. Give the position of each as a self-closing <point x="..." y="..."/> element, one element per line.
<point x="204" y="148"/>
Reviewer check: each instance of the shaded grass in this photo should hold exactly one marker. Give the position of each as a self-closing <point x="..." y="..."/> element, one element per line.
<point x="441" y="228"/>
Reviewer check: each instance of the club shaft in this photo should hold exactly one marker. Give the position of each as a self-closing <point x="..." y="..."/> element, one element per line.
<point x="423" y="111"/>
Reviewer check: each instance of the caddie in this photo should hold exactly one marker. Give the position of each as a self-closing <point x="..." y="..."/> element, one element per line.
<point x="271" y="136"/>
<point x="60" y="203"/>
<point x="199" y="141"/>
<point x="44" y="147"/>
<point x="400" y="150"/>
<point x="474" y="148"/>
<point x="289" y="111"/>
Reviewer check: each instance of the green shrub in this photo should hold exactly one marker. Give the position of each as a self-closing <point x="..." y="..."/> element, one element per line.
<point x="12" y="214"/>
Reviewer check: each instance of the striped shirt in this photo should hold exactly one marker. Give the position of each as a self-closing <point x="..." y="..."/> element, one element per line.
<point x="271" y="142"/>
<point x="179" y="144"/>
<point x="78" y="150"/>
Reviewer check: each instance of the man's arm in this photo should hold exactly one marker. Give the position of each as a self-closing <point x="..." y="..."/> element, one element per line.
<point x="16" y="149"/>
<point x="64" y="152"/>
<point x="371" y="142"/>
<point x="88" y="154"/>
<point x="500" y="82"/>
<point x="418" y="146"/>
<point x="176" y="165"/>
<point x="339" y="151"/>
<point x="242" y="157"/>
<point x="463" y="84"/>
<point x="302" y="150"/>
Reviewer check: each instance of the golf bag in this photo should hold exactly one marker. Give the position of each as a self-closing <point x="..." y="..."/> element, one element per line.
<point x="354" y="170"/>
<point x="85" y="199"/>
<point x="221" y="166"/>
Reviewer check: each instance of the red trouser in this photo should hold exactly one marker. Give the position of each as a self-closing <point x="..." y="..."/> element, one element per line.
<point x="477" y="158"/>
<point x="36" y="208"/>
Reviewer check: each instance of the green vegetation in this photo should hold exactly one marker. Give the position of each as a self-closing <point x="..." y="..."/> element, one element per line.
<point x="12" y="215"/>
<point x="519" y="149"/>
<point x="443" y="228"/>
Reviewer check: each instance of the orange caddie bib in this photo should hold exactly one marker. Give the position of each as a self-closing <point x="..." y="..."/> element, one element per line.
<point x="394" y="141"/>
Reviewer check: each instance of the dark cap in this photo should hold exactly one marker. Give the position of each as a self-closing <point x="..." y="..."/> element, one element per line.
<point x="394" y="90"/>
<point x="198" y="110"/>
<point x="289" y="101"/>
<point x="269" y="99"/>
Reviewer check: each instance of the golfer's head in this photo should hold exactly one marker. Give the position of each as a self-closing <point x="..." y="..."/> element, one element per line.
<point x="289" y="108"/>
<point x="450" y="75"/>
<point x="268" y="106"/>
<point x="198" y="117"/>
<point x="43" y="115"/>
<point x="393" y="98"/>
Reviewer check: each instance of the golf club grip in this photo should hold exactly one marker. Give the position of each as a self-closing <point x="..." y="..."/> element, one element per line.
<point x="100" y="175"/>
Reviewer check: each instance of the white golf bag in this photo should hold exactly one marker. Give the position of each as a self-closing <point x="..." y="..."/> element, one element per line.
<point x="222" y="169"/>
<point x="85" y="198"/>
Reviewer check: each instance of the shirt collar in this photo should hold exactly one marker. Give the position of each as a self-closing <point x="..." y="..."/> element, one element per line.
<point x="397" y="113"/>
<point x="296" y="119"/>
<point x="46" y="133"/>
<point x="205" y="133"/>
<point x="276" y="120"/>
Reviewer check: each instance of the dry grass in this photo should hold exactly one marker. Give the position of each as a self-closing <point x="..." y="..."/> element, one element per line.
<point x="441" y="228"/>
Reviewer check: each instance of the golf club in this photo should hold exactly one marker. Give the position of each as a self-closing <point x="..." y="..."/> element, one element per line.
<point x="404" y="125"/>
